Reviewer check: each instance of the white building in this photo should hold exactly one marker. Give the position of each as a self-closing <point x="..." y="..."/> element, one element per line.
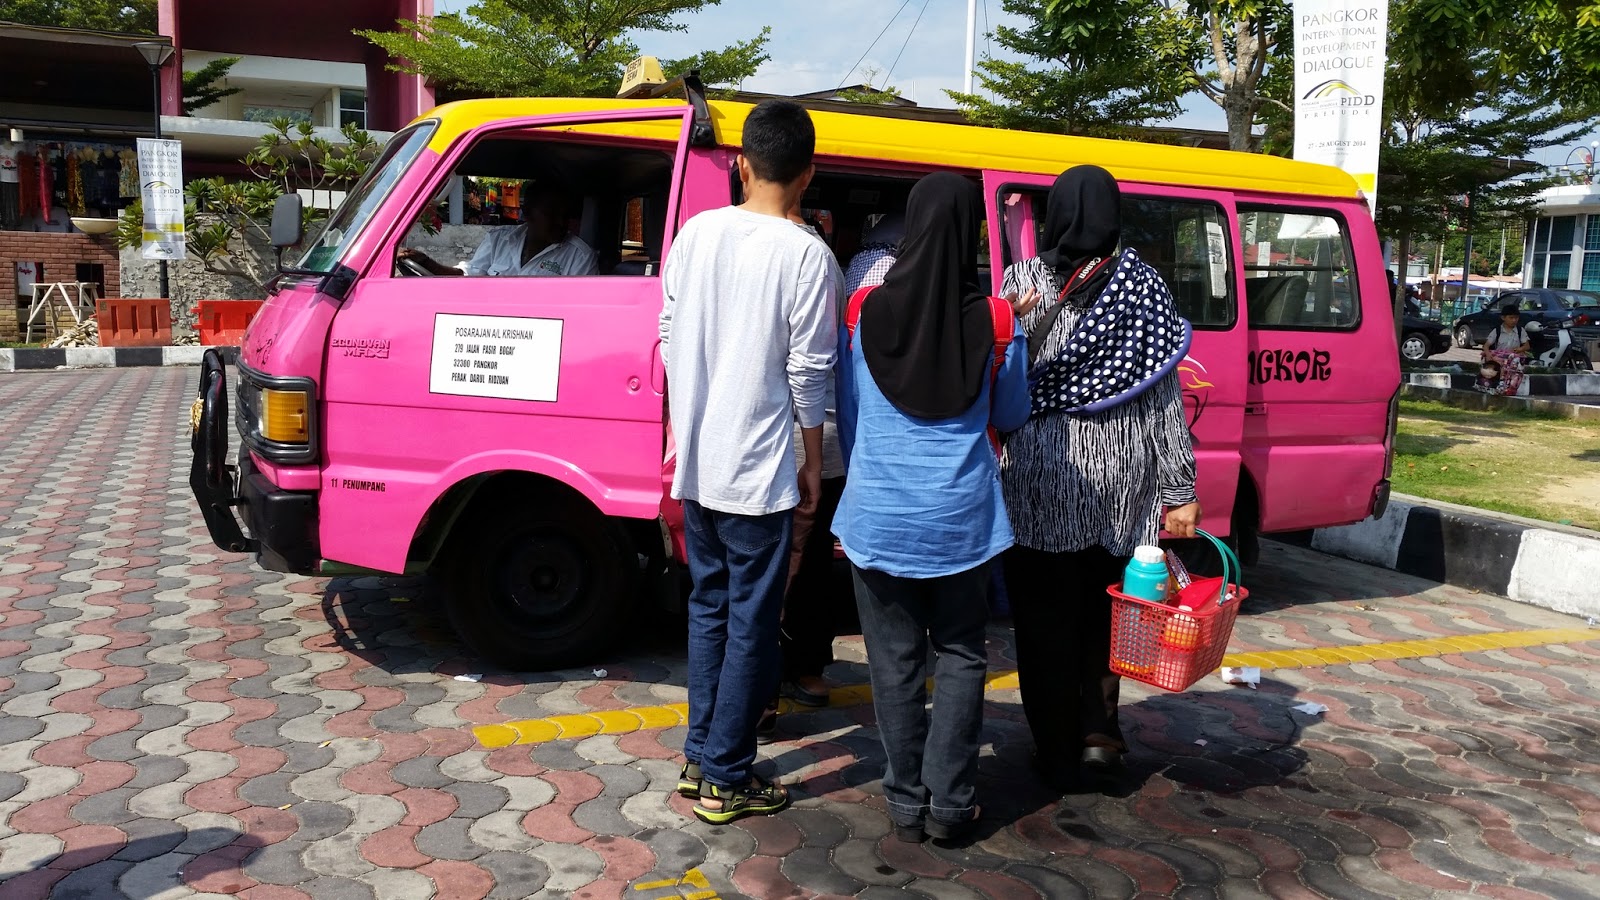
<point x="1563" y="248"/>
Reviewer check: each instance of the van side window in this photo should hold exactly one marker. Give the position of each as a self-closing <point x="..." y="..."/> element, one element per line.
<point x="1298" y="274"/>
<point x="1184" y="240"/>
<point x="540" y="203"/>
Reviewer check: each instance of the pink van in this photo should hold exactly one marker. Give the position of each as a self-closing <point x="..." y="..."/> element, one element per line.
<point x="509" y="433"/>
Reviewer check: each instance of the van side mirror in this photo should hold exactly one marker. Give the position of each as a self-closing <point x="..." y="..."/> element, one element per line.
<point x="288" y="226"/>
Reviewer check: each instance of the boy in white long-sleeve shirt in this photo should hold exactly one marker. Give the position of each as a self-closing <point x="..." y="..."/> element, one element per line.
<point x="748" y="334"/>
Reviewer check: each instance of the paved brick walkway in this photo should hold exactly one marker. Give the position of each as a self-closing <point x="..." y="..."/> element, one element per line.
<point x="175" y="723"/>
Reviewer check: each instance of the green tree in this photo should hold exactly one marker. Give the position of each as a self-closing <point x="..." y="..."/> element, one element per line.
<point x="1226" y="47"/>
<point x="228" y="223"/>
<point x="1094" y="67"/>
<point x="202" y="87"/>
<point x="552" y="48"/>
<point x="1242" y="38"/>
<point x="129" y="16"/>
<point x="871" y="95"/>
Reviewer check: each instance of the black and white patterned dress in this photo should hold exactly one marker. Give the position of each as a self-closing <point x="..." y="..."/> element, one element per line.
<point x="1076" y="481"/>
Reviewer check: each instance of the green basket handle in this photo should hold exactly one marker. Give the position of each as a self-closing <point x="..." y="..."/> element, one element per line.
<point x="1230" y="564"/>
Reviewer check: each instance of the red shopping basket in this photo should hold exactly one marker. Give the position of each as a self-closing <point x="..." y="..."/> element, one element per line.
<point x="1173" y="648"/>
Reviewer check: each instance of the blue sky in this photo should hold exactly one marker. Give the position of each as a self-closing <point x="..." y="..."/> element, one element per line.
<point x="815" y="42"/>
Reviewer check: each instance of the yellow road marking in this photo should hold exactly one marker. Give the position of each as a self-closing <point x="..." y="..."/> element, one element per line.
<point x="644" y="718"/>
<point x="692" y="878"/>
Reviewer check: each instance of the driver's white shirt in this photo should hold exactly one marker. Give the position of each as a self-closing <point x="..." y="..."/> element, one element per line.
<point x="501" y="254"/>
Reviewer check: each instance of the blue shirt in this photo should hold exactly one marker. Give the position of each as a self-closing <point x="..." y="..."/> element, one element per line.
<point x="922" y="497"/>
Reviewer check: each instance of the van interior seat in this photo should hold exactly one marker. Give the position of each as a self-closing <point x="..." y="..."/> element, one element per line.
<point x="655" y="234"/>
<point x="1277" y="299"/>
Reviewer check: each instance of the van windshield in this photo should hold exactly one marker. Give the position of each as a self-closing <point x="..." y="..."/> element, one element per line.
<point x="369" y="193"/>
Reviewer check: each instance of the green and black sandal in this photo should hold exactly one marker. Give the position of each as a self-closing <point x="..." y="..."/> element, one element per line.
<point x="758" y="798"/>
<point x="689" y="781"/>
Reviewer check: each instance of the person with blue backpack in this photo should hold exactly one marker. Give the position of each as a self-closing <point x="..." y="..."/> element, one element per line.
<point x="929" y="365"/>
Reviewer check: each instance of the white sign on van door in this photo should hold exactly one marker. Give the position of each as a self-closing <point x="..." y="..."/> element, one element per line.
<point x="505" y="357"/>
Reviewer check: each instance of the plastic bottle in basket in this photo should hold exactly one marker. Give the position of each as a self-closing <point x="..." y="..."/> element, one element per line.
<point x="1146" y="575"/>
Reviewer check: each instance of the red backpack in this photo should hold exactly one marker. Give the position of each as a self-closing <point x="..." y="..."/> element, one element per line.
<point x="1004" y="330"/>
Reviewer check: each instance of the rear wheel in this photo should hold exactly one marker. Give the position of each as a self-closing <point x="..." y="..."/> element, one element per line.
<point x="1464" y="337"/>
<point x="1414" y="346"/>
<point x="540" y="581"/>
<point x="1573" y="361"/>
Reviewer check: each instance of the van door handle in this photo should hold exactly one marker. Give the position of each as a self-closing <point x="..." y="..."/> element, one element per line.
<point x="1255" y="409"/>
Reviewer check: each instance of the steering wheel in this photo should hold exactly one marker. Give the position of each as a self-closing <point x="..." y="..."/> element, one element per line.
<point x="411" y="268"/>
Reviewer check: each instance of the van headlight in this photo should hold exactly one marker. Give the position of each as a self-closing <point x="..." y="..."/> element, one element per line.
<point x="277" y="417"/>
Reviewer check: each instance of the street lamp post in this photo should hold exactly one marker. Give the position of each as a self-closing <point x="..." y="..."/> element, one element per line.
<point x="1586" y="154"/>
<point x="156" y="54"/>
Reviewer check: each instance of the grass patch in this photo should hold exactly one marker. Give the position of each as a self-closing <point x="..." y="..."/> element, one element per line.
<point x="13" y="345"/>
<point x="1523" y="462"/>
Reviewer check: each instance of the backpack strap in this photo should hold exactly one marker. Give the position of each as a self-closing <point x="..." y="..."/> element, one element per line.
<point x="852" y="313"/>
<point x="1005" y="326"/>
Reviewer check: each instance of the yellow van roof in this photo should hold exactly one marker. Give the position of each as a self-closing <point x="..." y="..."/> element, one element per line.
<point x="866" y="136"/>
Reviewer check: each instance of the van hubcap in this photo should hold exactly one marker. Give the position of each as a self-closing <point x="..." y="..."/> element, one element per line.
<point x="542" y="579"/>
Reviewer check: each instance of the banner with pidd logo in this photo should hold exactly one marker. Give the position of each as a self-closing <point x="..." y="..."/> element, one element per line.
<point x="1340" y="49"/>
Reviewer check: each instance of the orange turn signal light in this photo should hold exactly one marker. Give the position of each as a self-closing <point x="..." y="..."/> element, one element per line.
<point x="285" y="416"/>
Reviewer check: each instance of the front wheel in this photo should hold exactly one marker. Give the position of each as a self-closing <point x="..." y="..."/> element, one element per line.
<point x="540" y="582"/>
<point x="1464" y="337"/>
<point x="1414" y="347"/>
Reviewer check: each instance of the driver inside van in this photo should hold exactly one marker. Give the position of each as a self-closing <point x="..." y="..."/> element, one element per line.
<point x="540" y="246"/>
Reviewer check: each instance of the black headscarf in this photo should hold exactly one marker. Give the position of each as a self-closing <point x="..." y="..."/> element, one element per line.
<point x="1082" y="221"/>
<point x="927" y="333"/>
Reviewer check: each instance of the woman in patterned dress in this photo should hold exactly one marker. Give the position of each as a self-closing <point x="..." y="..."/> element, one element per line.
<point x="1086" y="480"/>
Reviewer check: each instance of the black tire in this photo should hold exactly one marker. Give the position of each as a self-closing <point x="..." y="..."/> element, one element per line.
<point x="1414" y="346"/>
<point x="1574" y="361"/>
<point x="1464" y="337"/>
<point x="540" y="581"/>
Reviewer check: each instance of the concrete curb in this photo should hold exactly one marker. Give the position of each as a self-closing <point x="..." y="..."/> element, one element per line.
<point x="33" y="359"/>
<point x="1528" y="561"/>
<point x="1470" y="399"/>
<point x="1580" y="385"/>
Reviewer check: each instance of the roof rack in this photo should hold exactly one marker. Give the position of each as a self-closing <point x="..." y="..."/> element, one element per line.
<point x="701" y="131"/>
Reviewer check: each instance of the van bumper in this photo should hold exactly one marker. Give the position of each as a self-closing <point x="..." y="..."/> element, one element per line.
<point x="1380" y="499"/>
<point x="282" y="524"/>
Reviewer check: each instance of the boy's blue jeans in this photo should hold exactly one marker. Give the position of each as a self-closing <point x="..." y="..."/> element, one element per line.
<point x="739" y="565"/>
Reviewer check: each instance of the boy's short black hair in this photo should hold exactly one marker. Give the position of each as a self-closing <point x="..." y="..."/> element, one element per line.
<point x="779" y="141"/>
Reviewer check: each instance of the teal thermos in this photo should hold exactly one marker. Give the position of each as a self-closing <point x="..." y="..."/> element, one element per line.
<point x="1146" y="575"/>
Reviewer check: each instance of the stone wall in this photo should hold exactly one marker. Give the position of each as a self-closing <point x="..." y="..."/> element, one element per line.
<point x="452" y="246"/>
<point x="61" y="253"/>
<point x="188" y="281"/>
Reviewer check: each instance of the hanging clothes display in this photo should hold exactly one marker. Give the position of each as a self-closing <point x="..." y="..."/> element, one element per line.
<point x="27" y="185"/>
<point x="75" y="200"/>
<point x="10" y="211"/>
<point x="128" y="175"/>
<point x="46" y="182"/>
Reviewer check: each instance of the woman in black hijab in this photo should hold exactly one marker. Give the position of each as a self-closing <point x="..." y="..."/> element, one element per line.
<point x="922" y="517"/>
<point x="1086" y="480"/>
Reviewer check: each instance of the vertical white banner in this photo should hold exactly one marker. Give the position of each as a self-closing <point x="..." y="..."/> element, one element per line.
<point x="161" y="193"/>
<point x="1340" y="50"/>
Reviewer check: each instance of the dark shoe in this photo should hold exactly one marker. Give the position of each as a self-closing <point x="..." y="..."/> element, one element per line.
<point x="794" y="691"/>
<point x="689" y="781"/>
<point x="952" y="832"/>
<point x="767" y="727"/>
<point x="1101" y="759"/>
<point x="910" y="834"/>
<point x="758" y="798"/>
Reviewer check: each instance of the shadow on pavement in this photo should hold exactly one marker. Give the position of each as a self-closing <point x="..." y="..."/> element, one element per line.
<point x="172" y="858"/>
